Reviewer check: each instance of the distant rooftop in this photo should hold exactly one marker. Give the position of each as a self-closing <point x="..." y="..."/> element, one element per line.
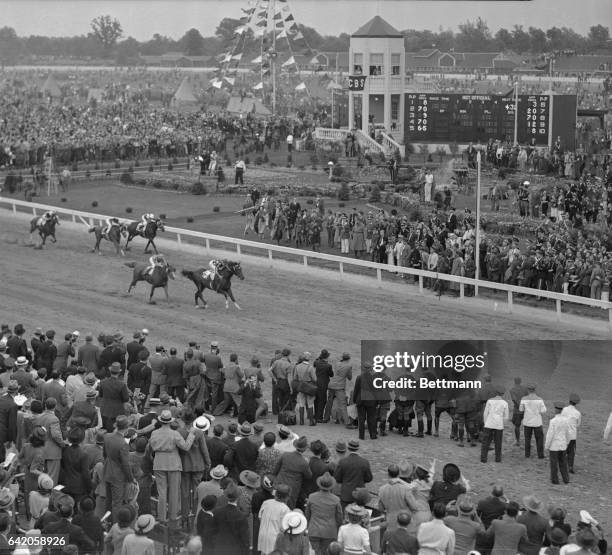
<point x="377" y="27"/>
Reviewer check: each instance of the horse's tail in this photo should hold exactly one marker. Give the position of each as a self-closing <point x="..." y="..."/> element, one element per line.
<point x="92" y="229"/>
<point x="130" y="264"/>
<point x="189" y="274"/>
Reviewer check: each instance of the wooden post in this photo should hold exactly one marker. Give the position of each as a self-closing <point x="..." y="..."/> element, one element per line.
<point x="510" y="302"/>
<point x="178" y="239"/>
<point x="558" y="302"/>
<point x="207" y="244"/>
<point x="237" y="249"/>
<point x="421" y="284"/>
<point x="461" y="290"/>
<point x="305" y="260"/>
<point x="270" y="256"/>
<point x="379" y="275"/>
<point x="14" y="209"/>
<point x="342" y="276"/>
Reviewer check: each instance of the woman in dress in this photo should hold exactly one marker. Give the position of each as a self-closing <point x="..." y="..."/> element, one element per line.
<point x="421" y="482"/>
<point x="271" y="517"/>
<point x="137" y="543"/>
<point x="293" y="538"/>
<point x="32" y="462"/>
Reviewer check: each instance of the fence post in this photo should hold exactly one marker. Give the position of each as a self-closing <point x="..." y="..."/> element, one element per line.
<point x="91" y="222"/>
<point x="207" y="244"/>
<point x="610" y="316"/>
<point x="379" y="275"/>
<point x="461" y="290"/>
<point x="178" y="239"/>
<point x="305" y="260"/>
<point x="14" y="209"/>
<point x="73" y="218"/>
<point x="421" y="284"/>
<point x="510" y="301"/>
<point x="237" y="249"/>
<point x="270" y="256"/>
<point x="342" y="276"/>
<point x="558" y="303"/>
<point x="33" y="210"/>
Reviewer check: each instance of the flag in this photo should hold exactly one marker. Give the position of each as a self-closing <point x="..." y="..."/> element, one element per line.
<point x="230" y="80"/>
<point x="315" y="60"/>
<point x="278" y="16"/>
<point x="227" y="58"/>
<point x="260" y="32"/>
<point x="298" y="36"/>
<point x="289" y="18"/>
<point x="248" y="11"/>
<point x="265" y="72"/>
<point x="241" y="29"/>
<point x="261" y="23"/>
<point x="259" y="86"/>
<point x="290" y="61"/>
<point x="282" y="35"/>
<point x="237" y="57"/>
<point x="301" y="87"/>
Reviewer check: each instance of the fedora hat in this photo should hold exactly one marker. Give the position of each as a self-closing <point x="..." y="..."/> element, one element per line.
<point x="283" y="431"/>
<point x="406" y="469"/>
<point x="89" y="379"/>
<point x="7" y="499"/>
<point x="354" y="509"/>
<point x="122" y="422"/>
<point x="353" y="445"/>
<point x="201" y="423"/>
<point x="250" y="479"/>
<point x="21" y="361"/>
<point x="12" y="387"/>
<point x="267" y="484"/>
<point x="40" y="433"/>
<point x="245" y="430"/>
<point x="340" y="447"/>
<point x="532" y="503"/>
<point x="294" y="523"/>
<point x="361" y="496"/>
<point x="115" y="368"/>
<point x="145" y="523"/>
<point x="219" y="472"/>
<point x="326" y="482"/>
<point x="465" y="506"/>
<point x="91" y="394"/>
<point x="165" y="417"/>
<point x="45" y="482"/>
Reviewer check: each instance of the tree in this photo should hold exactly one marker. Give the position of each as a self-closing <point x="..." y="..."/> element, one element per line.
<point x="503" y="39"/>
<point x="520" y="39"/>
<point x="537" y="40"/>
<point x="474" y="36"/>
<point x="599" y="37"/>
<point x="10" y="45"/>
<point x="226" y="29"/>
<point x="192" y="43"/>
<point x="107" y="31"/>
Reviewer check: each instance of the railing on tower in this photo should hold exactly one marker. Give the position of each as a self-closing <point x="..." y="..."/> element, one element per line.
<point x="390" y="144"/>
<point x="330" y="134"/>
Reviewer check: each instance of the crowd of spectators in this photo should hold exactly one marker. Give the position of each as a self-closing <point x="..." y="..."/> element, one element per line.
<point x="129" y="429"/>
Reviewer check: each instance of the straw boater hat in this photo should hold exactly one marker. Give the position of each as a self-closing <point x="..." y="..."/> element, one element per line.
<point x="201" y="423"/>
<point x="145" y="523"/>
<point x="250" y="479"/>
<point x="294" y="522"/>
<point x="354" y="509"/>
<point x="219" y="472"/>
<point x="165" y="417"/>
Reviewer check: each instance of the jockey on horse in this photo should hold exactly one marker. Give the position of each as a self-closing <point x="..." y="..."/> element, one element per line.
<point x="144" y="220"/>
<point x="110" y="222"/>
<point x="157" y="260"/>
<point x="46" y="217"/>
<point x="214" y="267"/>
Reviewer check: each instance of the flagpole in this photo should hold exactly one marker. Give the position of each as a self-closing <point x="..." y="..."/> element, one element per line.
<point x="477" y="249"/>
<point x="516" y="111"/>
<point x="273" y="57"/>
<point x="332" y="107"/>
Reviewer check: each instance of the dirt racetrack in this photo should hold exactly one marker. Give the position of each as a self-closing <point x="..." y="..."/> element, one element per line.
<point x="66" y="287"/>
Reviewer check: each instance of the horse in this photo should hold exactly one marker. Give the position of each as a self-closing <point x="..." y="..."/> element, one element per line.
<point x="221" y="283"/>
<point x="47" y="229"/>
<point x="114" y="236"/>
<point x="149" y="233"/>
<point x="158" y="278"/>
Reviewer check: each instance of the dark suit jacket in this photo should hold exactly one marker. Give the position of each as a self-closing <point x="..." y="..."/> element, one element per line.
<point x="490" y="509"/>
<point x="54" y="442"/>
<point x="113" y="393"/>
<point x="205" y="528"/>
<point x="17" y="347"/>
<point x="241" y="456"/>
<point x="230" y="531"/>
<point x="292" y="469"/>
<point x="536" y="532"/>
<point x="89" y="356"/>
<point x="133" y="349"/>
<point x="352" y="472"/>
<point x="216" y="449"/>
<point x="75" y="535"/>
<point x="173" y="369"/>
<point x="116" y="463"/>
<point x="47" y="354"/>
<point x="74" y="471"/>
<point x="8" y="419"/>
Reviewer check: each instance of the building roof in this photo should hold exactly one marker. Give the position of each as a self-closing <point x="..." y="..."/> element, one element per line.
<point x="583" y="63"/>
<point x="430" y="59"/>
<point x="377" y="27"/>
<point x="246" y="105"/>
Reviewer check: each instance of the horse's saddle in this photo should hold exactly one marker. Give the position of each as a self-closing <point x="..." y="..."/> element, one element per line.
<point x="206" y="274"/>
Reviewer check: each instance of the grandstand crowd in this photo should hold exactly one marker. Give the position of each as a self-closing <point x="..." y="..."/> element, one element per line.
<point x="134" y="430"/>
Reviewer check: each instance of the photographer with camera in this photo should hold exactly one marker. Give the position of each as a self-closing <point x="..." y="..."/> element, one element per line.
<point x="158" y="377"/>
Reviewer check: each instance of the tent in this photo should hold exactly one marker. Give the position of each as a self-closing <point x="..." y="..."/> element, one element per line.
<point x="184" y="94"/>
<point x="51" y="88"/>
<point x="237" y="105"/>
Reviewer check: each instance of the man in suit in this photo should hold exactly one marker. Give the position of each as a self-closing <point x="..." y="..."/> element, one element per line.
<point x="134" y="348"/>
<point x="506" y="532"/>
<point x="113" y="393"/>
<point x="173" y="370"/>
<point x="205" y="524"/>
<point x="434" y="536"/>
<point x="492" y="507"/>
<point x="293" y="470"/>
<point x="89" y="355"/>
<point x="451" y="222"/>
<point x="242" y="455"/>
<point x="230" y="529"/>
<point x="535" y="523"/>
<point x="216" y="446"/>
<point x="54" y="443"/>
<point x="47" y="352"/>
<point x="8" y="417"/>
<point x="16" y="346"/>
<point x="35" y="343"/>
<point x="63" y="526"/>
<point x="55" y="388"/>
<point x="65" y="350"/>
<point x="117" y="473"/>
<point x="395" y="497"/>
<point x="352" y="472"/>
<point x="158" y="379"/>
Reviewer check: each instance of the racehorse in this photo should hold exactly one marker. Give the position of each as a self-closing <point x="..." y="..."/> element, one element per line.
<point x="221" y="283"/>
<point x="149" y="233"/>
<point x="114" y="236"/>
<point x="158" y="278"/>
<point x="47" y="229"/>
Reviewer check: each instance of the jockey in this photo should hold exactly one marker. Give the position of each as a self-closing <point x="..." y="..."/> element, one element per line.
<point x="110" y="222"/>
<point x="214" y="266"/>
<point x="46" y="217"/>
<point x="144" y="220"/>
<point x="156" y="260"/>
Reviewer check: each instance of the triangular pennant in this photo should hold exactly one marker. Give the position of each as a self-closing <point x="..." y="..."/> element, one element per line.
<point x="289" y="18"/>
<point x="260" y="32"/>
<point x="217" y="84"/>
<point x="278" y="16"/>
<point x="289" y="62"/>
<point x="301" y="87"/>
<point x="257" y="60"/>
<point x="315" y="60"/>
<point x="259" y="86"/>
<point x="241" y="29"/>
<point x="230" y="80"/>
<point x="298" y="36"/>
<point x="248" y="11"/>
<point x="226" y="59"/>
<point x="282" y="35"/>
<point x="265" y="72"/>
<point x="237" y="57"/>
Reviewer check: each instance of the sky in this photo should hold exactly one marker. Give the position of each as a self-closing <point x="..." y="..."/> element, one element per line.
<point x="143" y="18"/>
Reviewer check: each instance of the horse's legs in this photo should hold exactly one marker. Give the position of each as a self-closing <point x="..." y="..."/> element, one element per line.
<point x="166" y="292"/>
<point x="231" y="296"/>
<point x="132" y="285"/>
<point x="53" y="237"/>
<point x="151" y="295"/>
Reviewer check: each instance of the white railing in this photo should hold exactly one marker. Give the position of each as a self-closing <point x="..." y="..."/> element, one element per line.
<point x="330" y="134"/>
<point x="342" y="262"/>
<point x="368" y="144"/>
<point x="390" y="144"/>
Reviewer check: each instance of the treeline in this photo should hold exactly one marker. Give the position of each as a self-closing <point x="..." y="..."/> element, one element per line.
<point x="105" y="40"/>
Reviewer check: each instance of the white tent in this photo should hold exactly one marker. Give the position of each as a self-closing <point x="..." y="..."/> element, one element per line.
<point x="184" y="94"/>
<point x="51" y="88"/>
